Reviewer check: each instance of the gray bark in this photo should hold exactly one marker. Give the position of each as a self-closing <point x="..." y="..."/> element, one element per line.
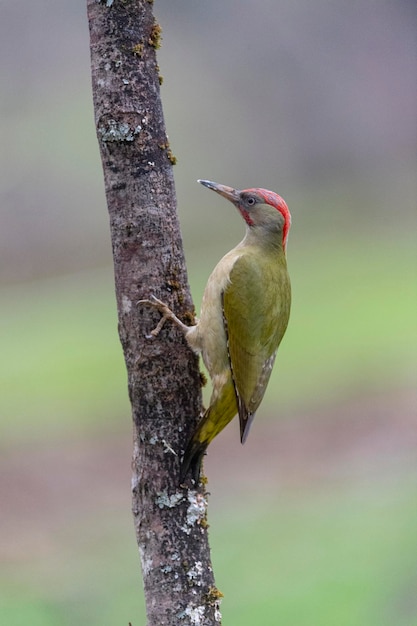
<point x="163" y="374"/>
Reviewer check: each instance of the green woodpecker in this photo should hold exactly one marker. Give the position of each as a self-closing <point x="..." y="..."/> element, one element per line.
<point x="244" y="315"/>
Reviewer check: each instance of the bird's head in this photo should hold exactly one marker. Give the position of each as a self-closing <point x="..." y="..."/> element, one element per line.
<point x="262" y="210"/>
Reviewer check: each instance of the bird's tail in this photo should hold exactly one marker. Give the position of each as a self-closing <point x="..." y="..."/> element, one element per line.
<point x="192" y="460"/>
<point x="216" y="417"/>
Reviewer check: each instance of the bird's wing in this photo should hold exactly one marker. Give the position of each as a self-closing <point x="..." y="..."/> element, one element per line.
<point x="252" y="312"/>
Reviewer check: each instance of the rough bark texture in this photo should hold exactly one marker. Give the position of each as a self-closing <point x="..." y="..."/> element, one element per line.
<point x="163" y="374"/>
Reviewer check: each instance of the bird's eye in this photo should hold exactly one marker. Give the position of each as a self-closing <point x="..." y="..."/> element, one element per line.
<point x="250" y="201"/>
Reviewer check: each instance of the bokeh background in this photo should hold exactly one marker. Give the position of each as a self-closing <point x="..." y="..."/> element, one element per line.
<point x="314" y="521"/>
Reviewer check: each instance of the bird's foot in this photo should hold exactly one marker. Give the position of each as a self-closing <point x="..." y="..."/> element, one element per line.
<point x="166" y="313"/>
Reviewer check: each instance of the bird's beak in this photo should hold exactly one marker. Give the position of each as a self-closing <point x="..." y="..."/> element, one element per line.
<point x="227" y="192"/>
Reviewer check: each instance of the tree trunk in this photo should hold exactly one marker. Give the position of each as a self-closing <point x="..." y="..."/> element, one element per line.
<point x="163" y="374"/>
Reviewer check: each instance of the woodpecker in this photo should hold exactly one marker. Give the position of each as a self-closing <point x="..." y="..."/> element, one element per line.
<point x="244" y="315"/>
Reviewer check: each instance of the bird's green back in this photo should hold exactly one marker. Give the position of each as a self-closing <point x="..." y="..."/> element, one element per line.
<point x="256" y="307"/>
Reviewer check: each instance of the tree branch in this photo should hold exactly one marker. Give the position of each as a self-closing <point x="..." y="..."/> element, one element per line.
<point x="163" y="375"/>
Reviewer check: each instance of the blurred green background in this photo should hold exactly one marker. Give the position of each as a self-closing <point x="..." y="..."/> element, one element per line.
<point x="313" y="521"/>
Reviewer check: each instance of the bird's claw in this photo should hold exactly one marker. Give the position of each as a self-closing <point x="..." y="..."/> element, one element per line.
<point x="156" y="304"/>
<point x="152" y="301"/>
<point x="165" y="311"/>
